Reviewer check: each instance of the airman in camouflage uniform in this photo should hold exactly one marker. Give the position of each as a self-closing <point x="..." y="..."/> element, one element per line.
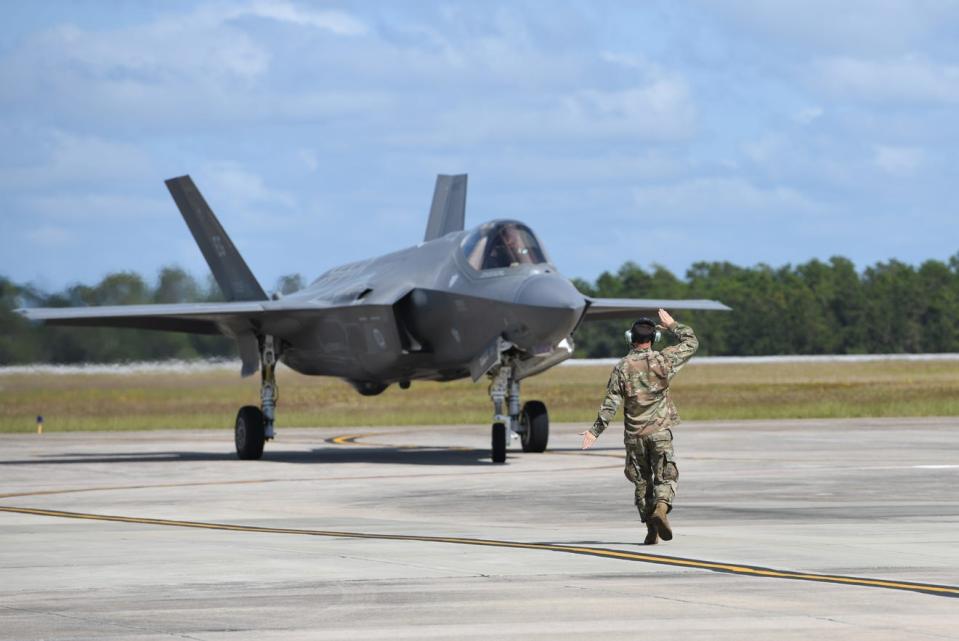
<point x="641" y="381"/>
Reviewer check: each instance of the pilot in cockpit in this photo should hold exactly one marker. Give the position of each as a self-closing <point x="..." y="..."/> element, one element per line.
<point x="516" y="244"/>
<point x="502" y="245"/>
<point x="509" y="248"/>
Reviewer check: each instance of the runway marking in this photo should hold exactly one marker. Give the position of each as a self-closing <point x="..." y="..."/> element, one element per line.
<point x="624" y="555"/>
<point x="352" y="439"/>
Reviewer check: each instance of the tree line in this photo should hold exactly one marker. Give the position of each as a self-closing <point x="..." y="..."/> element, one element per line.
<point x="24" y="342"/>
<point x="817" y="307"/>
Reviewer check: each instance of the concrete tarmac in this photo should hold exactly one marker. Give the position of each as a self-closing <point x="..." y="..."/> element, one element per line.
<point x="784" y="529"/>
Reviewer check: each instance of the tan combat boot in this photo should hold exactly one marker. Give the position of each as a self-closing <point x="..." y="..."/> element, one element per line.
<point x="659" y="521"/>
<point x="652" y="538"/>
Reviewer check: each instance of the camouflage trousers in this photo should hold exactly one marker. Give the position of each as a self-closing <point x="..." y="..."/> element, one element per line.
<point x="651" y="467"/>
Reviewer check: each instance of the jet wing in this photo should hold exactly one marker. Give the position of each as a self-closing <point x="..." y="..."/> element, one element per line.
<point x="241" y="320"/>
<point x="611" y="308"/>
<point x="195" y="318"/>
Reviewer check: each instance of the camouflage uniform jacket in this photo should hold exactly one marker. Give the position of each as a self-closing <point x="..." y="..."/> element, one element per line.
<point x="642" y="379"/>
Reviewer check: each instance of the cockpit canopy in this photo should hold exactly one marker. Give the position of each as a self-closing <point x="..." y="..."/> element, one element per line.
<point x="502" y="244"/>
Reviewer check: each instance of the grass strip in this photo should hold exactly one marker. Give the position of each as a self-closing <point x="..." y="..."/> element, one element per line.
<point x="144" y="401"/>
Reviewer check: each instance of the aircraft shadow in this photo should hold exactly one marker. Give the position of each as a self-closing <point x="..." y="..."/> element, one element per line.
<point x="327" y="455"/>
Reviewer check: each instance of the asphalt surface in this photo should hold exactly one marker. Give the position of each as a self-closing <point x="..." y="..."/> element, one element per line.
<point x="784" y="529"/>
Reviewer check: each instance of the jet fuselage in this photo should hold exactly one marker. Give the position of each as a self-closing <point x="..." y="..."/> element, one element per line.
<point x="426" y="312"/>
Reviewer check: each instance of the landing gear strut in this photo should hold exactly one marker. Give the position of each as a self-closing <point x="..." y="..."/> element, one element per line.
<point x="530" y="422"/>
<point x="254" y="425"/>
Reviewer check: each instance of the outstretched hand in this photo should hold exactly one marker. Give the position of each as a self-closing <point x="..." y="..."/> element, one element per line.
<point x="666" y="319"/>
<point x="588" y="439"/>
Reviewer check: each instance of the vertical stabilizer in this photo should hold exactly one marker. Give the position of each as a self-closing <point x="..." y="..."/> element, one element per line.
<point x="228" y="267"/>
<point x="448" y="211"/>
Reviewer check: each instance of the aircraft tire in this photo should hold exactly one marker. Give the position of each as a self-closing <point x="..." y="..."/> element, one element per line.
<point x="499" y="443"/>
<point x="249" y="433"/>
<point x="535" y="419"/>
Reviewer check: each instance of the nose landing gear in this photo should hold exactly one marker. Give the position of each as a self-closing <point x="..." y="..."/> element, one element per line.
<point x="531" y="422"/>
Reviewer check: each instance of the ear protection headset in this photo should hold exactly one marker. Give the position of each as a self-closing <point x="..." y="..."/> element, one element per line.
<point x="635" y="335"/>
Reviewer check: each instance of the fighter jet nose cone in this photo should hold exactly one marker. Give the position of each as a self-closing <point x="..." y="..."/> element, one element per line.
<point x="549" y="309"/>
<point x="550" y="290"/>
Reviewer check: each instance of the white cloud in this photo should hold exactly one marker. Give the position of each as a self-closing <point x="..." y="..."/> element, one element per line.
<point x="898" y="161"/>
<point x="662" y="109"/>
<point x="812" y="161"/>
<point x="77" y="160"/>
<point x="240" y="193"/>
<point x="735" y="199"/>
<point x="450" y="84"/>
<point x="281" y="108"/>
<point x="199" y="68"/>
<point x="170" y="46"/>
<point x="241" y="184"/>
<point x="98" y="207"/>
<point x="560" y="172"/>
<point x="338" y="22"/>
<point x="905" y="80"/>
<point x="864" y="26"/>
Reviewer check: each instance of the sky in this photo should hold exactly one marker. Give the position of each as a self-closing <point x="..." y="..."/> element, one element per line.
<point x="655" y="132"/>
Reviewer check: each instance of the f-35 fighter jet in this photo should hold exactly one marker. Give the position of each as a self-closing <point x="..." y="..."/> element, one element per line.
<point x="484" y="302"/>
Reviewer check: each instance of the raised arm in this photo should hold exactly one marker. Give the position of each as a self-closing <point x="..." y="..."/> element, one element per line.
<point x="678" y="355"/>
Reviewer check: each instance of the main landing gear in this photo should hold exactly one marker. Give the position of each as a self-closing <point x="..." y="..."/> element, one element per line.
<point x="254" y="425"/>
<point x="531" y="422"/>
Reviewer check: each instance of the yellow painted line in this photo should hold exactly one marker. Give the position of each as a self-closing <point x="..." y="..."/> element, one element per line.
<point x="350" y="439"/>
<point x="353" y="439"/>
<point x="728" y="568"/>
